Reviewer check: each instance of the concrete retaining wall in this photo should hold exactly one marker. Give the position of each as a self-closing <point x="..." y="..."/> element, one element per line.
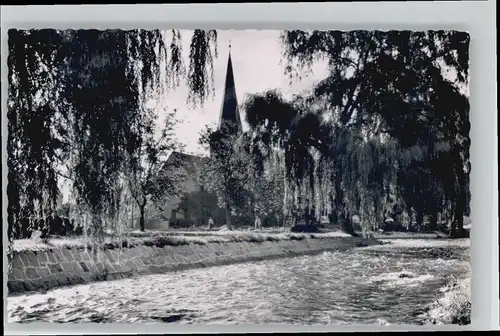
<point x="42" y="270"/>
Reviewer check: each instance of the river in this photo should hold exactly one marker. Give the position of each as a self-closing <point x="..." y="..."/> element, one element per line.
<point x="361" y="286"/>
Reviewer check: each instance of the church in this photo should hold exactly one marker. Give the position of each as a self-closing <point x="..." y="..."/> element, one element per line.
<point x="188" y="166"/>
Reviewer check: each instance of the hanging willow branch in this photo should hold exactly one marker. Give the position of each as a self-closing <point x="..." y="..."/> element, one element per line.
<point x="75" y="98"/>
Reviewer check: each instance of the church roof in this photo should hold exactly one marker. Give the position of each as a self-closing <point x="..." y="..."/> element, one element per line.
<point x="229" y="110"/>
<point x="190" y="162"/>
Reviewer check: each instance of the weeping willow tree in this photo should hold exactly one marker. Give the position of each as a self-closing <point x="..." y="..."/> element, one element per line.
<point x="34" y="142"/>
<point x="247" y="177"/>
<point x="265" y="185"/>
<point x="345" y="170"/>
<point x="75" y="111"/>
<point x="399" y="77"/>
<point x="225" y="172"/>
<point x="293" y="134"/>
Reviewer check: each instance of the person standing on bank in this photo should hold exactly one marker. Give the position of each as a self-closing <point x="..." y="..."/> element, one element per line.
<point x="258" y="223"/>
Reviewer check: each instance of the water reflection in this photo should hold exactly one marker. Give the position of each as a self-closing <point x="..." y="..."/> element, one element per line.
<point x="356" y="286"/>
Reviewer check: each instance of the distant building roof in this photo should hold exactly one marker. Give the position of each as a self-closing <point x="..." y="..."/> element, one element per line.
<point x="189" y="161"/>
<point x="229" y="109"/>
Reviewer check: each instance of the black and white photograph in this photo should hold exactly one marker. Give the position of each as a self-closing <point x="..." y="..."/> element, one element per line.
<point x="306" y="177"/>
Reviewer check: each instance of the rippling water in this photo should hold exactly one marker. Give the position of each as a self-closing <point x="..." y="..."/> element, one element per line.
<point x="357" y="286"/>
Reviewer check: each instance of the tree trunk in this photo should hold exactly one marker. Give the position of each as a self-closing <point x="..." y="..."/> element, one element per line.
<point x="133" y="218"/>
<point x="409" y="225"/>
<point x="346" y="224"/>
<point x="433" y="221"/>
<point x="332" y="217"/>
<point x="306" y="216"/>
<point x="398" y="222"/>
<point x="457" y="225"/>
<point x="467" y="194"/>
<point x="228" y="217"/>
<point x="98" y="231"/>
<point x="376" y="220"/>
<point x="419" y="221"/>
<point x="397" y="216"/>
<point x="460" y="204"/>
<point x="142" y="225"/>
<point x="340" y="213"/>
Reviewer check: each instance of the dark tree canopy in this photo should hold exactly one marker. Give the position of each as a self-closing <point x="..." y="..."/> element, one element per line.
<point x="387" y="125"/>
<point x="75" y="99"/>
<point x="392" y="117"/>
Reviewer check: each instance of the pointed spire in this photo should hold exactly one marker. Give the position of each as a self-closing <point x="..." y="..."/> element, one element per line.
<point x="229" y="110"/>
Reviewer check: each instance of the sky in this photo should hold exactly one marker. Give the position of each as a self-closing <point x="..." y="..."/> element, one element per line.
<point x="256" y="56"/>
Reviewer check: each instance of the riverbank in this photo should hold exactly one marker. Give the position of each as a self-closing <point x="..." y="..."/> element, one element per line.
<point x="454" y="303"/>
<point x="164" y="238"/>
<point x="411" y="235"/>
<point x="454" y="307"/>
<point x="184" y="237"/>
<point x="51" y="266"/>
<point x="354" y="286"/>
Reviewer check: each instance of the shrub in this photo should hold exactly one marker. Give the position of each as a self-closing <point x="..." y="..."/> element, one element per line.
<point x="254" y="238"/>
<point x="161" y="241"/>
<point x="273" y="238"/>
<point x="198" y="241"/>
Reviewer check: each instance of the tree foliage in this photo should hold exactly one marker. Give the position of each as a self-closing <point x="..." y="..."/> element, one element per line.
<point x="388" y="125"/>
<point x="198" y="206"/>
<point x="225" y="172"/>
<point x="394" y="127"/>
<point x="153" y="174"/>
<point x="75" y="109"/>
<point x="246" y="185"/>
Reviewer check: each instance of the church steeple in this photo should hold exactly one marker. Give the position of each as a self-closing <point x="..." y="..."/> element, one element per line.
<point x="229" y="114"/>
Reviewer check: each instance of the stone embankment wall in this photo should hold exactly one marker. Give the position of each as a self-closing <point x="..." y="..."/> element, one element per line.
<point x="41" y="270"/>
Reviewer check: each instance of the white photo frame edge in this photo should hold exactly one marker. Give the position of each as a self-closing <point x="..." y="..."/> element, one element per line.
<point x="478" y="18"/>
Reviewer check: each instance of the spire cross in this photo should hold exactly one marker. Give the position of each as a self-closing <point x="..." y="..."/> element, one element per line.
<point x="229" y="44"/>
